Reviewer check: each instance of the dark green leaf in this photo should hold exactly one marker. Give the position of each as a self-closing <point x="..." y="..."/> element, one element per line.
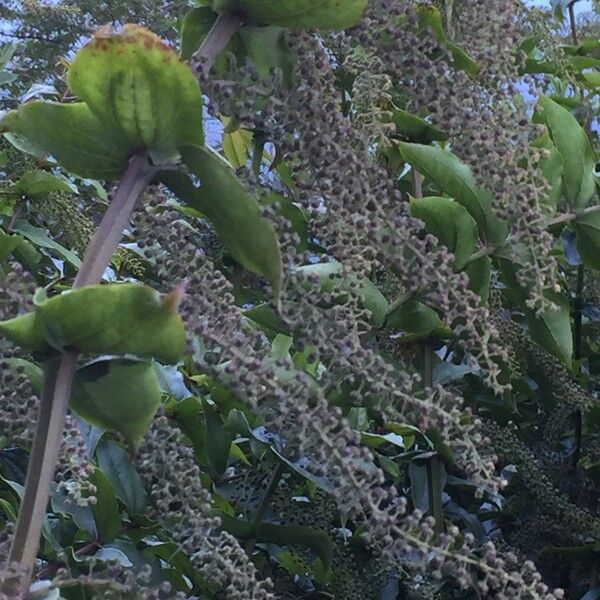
<point x="415" y="129"/>
<point x="118" y="395"/>
<point x="117" y="466"/>
<point x="450" y="222"/>
<point x="297" y="14"/>
<point x="455" y="179"/>
<point x="587" y="227"/>
<point x="416" y="321"/>
<point x="235" y="214"/>
<point x="106" y="509"/>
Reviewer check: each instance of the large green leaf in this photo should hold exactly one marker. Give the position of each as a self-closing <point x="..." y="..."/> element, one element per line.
<point x="234" y="213"/>
<point x="455" y="179"/>
<point x="297" y="14"/>
<point x="574" y="146"/>
<point x="139" y="85"/>
<point x="373" y="299"/>
<point x="73" y="135"/>
<point x="118" y="395"/>
<point x="136" y="93"/>
<point x="104" y="319"/>
<point x="450" y="222"/>
<point x="283" y="535"/>
<point x="587" y="227"/>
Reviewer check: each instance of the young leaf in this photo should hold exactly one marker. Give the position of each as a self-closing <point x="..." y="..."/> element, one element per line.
<point x="118" y="395"/>
<point x="136" y="84"/>
<point x="574" y="146"/>
<point x="135" y="94"/>
<point x="104" y="319"/>
<point x="456" y="180"/>
<point x="235" y="215"/>
<point x="297" y="14"/>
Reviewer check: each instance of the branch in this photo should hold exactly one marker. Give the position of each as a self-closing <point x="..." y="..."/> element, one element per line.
<point x="56" y="390"/>
<point x="215" y="42"/>
<point x="106" y="239"/>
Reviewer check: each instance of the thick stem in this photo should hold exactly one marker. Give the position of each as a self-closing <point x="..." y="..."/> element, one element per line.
<point x="109" y="233"/>
<point x="577" y="344"/>
<point x="54" y="402"/>
<point x="215" y="42"/>
<point x="58" y="381"/>
<point x="434" y="490"/>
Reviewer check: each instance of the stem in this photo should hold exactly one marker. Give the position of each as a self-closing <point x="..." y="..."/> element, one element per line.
<point x="434" y="490"/>
<point x="428" y="353"/>
<point x="577" y="343"/>
<point x="261" y="511"/>
<point x="56" y="390"/>
<point x="54" y="402"/>
<point x="106" y="239"/>
<point x="215" y="42"/>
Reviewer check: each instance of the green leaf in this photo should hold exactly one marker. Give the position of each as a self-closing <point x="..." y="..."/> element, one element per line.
<point x="8" y="243"/>
<point x="587" y="227"/>
<point x="430" y="17"/>
<point x="118" y="395"/>
<point x="450" y="222"/>
<point x="104" y="319"/>
<point x="480" y="276"/>
<point x="552" y="168"/>
<point x="455" y="179"/>
<point x="235" y="215"/>
<point x="126" y="481"/>
<point x="373" y="299"/>
<point x="574" y="146"/>
<point x="40" y="238"/>
<point x="137" y="85"/>
<point x="42" y="182"/>
<point x="135" y="93"/>
<point x="552" y="329"/>
<point x="416" y="320"/>
<point x="282" y="535"/>
<point x="297" y="14"/>
<point x="106" y="509"/>
<point x="415" y="129"/>
<point x="72" y="135"/>
<point x="218" y="439"/>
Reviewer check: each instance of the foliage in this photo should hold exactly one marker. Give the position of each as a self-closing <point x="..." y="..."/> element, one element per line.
<point x="310" y="311"/>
